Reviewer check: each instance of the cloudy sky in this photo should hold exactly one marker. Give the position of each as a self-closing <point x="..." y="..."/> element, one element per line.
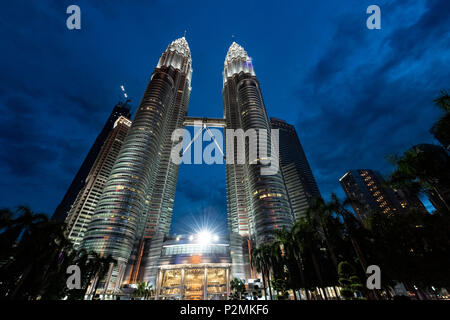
<point x="355" y="95"/>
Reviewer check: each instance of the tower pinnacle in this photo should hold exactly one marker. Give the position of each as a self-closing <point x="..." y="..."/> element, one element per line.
<point x="236" y="61"/>
<point x="178" y="55"/>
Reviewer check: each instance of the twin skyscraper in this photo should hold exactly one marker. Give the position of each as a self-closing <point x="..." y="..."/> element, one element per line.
<point x="133" y="213"/>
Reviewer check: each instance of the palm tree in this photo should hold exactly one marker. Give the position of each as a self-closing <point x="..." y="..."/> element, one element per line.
<point x="425" y="166"/>
<point x="101" y="266"/>
<point x="143" y="290"/>
<point x="441" y="129"/>
<point x="306" y="236"/>
<point x="56" y="254"/>
<point x="266" y="260"/>
<point x="261" y="260"/>
<point x="238" y="288"/>
<point x="322" y="212"/>
<point x="443" y="101"/>
<point x="292" y="259"/>
<point x="19" y="229"/>
<point x="351" y="224"/>
<point x="257" y="264"/>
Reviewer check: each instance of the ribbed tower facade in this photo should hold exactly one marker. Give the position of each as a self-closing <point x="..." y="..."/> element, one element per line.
<point x="83" y="208"/>
<point x="136" y="203"/>
<point x="257" y="204"/>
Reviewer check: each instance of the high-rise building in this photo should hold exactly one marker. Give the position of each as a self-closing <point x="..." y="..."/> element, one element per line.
<point x="408" y="200"/>
<point x="132" y="219"/>
<point x="257" y="204"/>
<point x="300" y="183"/>
<point x="368" y="192"/>
<point x="60" y="214"/>
<point x="81" y="212"/>
<point x="137" y="200"/>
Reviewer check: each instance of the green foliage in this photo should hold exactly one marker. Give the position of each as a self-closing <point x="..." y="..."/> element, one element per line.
<point x="143" y="290"/>
<point x="426" y="167"/>
<point x="412" y="247"/>
<point x="237" y="287"/>
<point x="443" y="101"/>
<point x="349" y="281"/>
<point x="280" y="286"/>
<point x="35" y="256"/>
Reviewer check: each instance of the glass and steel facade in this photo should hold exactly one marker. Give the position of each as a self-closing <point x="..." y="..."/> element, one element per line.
<point x="137" y="199"/>
<point x="300" y="183"/>
<point x="257" y="204"/>
<point x="369" y="193"/>
<point x="132" y="218"/>
<point x="81" y="212"/>
<point x="61" y="212"/>
<point x="366" y="188"/>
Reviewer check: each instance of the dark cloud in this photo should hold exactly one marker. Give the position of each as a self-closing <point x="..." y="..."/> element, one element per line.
<point x="371" y="94"/>
<point x="363" y="94"/>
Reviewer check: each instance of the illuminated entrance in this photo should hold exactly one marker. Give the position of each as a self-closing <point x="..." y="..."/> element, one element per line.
<point x="193" y="282"/>
<point x="192" y="268"/>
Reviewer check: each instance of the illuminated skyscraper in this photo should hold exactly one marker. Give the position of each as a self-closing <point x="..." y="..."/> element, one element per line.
<point x="137" y="200"/>
<point x="257" y="204"/>
<point x="365" y="188"/>
<point x="60" y="214"/>
<point x="81" y="212"/>
<point x="368" y="192"/>
<point x="133" y="215"/>
<point x="300" y="182"/>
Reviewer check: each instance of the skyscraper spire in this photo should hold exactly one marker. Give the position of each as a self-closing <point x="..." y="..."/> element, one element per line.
<point x="137" y="199"/>
<point x="236" y="61"/>
<point x="257" y="204"/>
<point x="178" y="55"/>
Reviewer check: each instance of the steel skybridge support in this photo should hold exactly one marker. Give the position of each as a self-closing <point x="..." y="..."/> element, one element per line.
<point x="205" y="123"/>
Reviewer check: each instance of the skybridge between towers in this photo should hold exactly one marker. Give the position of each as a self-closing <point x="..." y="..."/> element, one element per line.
<point x="205" y="123"/>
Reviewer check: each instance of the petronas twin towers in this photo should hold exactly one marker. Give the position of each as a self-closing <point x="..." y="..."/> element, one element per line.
<point x="135" y="208"/>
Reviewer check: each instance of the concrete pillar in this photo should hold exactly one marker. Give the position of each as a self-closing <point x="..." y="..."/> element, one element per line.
<point x="182" y="285"/>
<point x="227" y="279"/>
<point x="205" y="286"/>
<point x="120" y="274"/>
<point x="108" y="277"/>
<point x="158" y="284"/>
<point x="91" y="292"/>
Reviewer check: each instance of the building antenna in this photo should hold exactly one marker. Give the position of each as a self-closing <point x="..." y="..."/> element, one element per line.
<point x="184" y="34"/>
<point x="125" y="95"/>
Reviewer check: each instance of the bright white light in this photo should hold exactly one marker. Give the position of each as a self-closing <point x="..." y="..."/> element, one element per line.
<point x="216" y="238"/>
<point x="191" y="237"/>
<point x="204" y="237"/>
<point x="121" y="87"/>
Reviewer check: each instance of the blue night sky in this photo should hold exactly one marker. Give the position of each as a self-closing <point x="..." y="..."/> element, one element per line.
<point x="355" y="95"/>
